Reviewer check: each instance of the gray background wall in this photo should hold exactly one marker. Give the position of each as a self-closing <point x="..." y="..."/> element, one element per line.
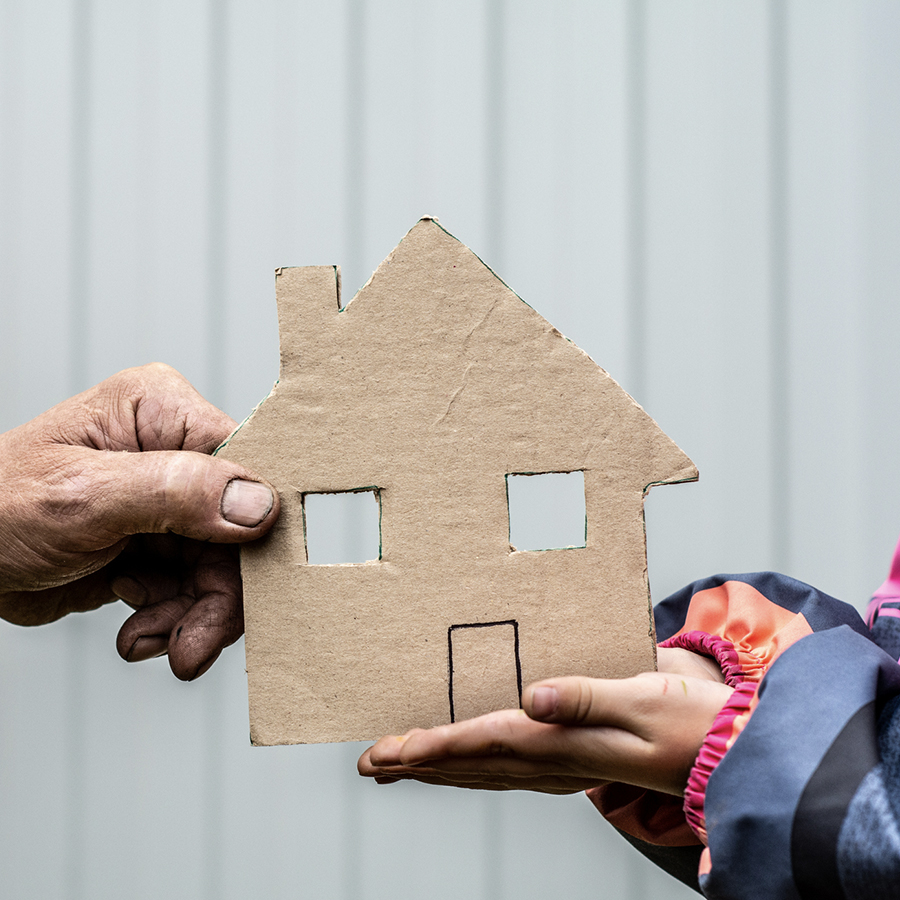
<point x="705" y="196"/>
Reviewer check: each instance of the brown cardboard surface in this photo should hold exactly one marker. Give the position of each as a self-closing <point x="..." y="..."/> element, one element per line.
<point x="431" y="386"/>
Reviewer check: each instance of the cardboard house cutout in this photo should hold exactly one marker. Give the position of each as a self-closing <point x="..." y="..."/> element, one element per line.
<point x="430" y="388"/>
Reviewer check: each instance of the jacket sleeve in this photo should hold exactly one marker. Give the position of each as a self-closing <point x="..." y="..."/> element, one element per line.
<point x="789" y="809"/>
<point x="788" y="650"/>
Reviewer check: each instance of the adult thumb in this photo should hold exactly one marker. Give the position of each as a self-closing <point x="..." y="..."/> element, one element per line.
<point x="180" y="491"/>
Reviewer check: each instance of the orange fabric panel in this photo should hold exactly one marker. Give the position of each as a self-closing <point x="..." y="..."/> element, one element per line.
<point x="759" y="629"/>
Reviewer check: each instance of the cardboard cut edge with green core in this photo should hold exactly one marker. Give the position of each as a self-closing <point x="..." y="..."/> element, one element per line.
<point x="428" y="389"/>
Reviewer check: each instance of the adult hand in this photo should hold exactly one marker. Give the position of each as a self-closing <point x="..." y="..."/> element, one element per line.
<point x="571" y="734"/>
<point x="113" y="494"/>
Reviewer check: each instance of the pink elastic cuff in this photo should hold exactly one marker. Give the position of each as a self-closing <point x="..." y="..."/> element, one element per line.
<point x="718" y="648"/>
<point x="718" y="739"/>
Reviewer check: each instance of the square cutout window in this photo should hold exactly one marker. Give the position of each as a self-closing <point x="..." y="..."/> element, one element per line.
<point x="546" y="511"/>
<point x="342" y="527"/>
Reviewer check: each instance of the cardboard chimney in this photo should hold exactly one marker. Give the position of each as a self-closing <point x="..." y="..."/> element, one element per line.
<point x="428" y="390"/>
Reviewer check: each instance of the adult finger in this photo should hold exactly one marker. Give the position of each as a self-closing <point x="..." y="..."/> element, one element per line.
<point x="176" y="491"/>
<point x="41" y="607"/>
<point x="206" y="630"/>
<point x="144" y="586"/>
<point x="152" y="407"/>
<point x="145" y="634"/>
<point x="192" y="633"/>
<point x="170" y="414"/>
<point x="215" y="620"/>
<point x="152" y="568"/>
<point x="196" y="625"/>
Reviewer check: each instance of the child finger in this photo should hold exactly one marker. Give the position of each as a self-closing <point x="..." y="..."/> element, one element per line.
<point x="619" y="703"/>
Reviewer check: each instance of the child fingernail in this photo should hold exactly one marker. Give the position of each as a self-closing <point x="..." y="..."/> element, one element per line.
<point x="544" y="702"/>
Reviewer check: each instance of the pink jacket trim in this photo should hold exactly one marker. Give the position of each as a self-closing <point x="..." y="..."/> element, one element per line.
<point x="725" y="729"/>
<point x="889" y="592"/>
<point x="720" y="649"/>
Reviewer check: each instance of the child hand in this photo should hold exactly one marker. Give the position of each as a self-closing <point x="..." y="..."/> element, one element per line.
<point x="572" y="734"/>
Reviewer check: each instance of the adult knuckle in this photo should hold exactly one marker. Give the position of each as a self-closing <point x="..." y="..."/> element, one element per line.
<point x="159" y="371"/>
<point x="122" y="387"/>
<point x="180" y="477"/>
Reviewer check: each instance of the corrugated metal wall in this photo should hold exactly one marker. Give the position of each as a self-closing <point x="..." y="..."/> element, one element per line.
<point x="705" y="196"/>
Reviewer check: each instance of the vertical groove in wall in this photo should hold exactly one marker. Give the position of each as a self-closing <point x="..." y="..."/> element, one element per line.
<point x="74" y="864"/>
<point x="352" y="835"/>
<point x="495" y="132"/>
<point x="636" y="307"/>
<point x="216" y="198"/>
<point x="79" y="176"/>
<point x="636" y="148"/>
<point x="355" y="132"/>
<point x="494" y="858"/>
<point x="216" y="334"/>
<point x="779" y="321"/>
<point x="495" y="199"/>
<point x="10" y="203"/>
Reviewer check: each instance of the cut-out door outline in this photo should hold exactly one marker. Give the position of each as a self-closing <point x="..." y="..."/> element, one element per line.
<point x="515" y="627"/>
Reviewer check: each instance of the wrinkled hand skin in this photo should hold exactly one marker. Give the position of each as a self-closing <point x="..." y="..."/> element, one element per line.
<point x="572" y="734"/>
<point x="112" y="494"/>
